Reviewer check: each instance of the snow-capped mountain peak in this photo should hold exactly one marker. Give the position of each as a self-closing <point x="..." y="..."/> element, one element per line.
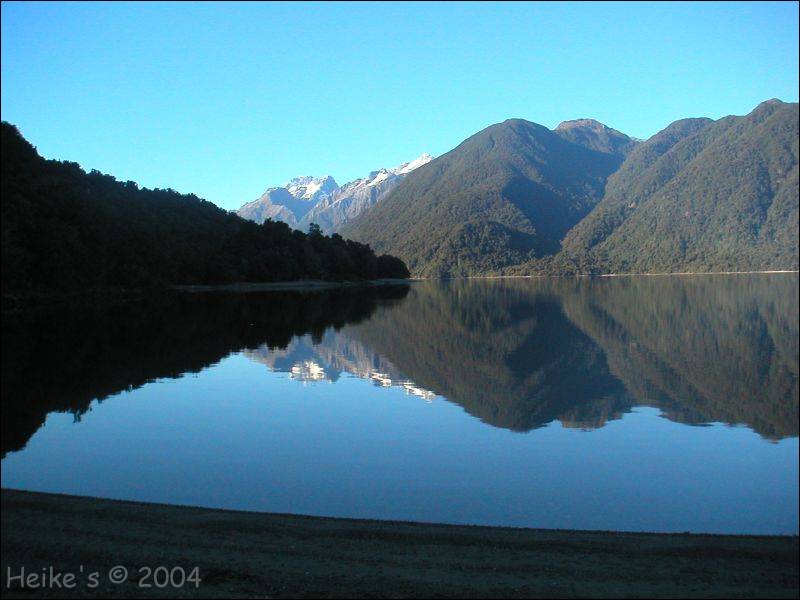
<point x="311" y="188"/>
<point x="305" y="200"/>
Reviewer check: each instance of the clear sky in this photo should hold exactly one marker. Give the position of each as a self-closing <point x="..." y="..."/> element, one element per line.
<point x="225" y="100"/>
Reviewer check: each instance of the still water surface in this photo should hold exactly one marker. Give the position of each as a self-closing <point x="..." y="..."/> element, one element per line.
<point x="654" y="403"/>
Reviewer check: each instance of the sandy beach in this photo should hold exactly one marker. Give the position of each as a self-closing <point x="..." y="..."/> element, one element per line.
<point x="260" y="555"/>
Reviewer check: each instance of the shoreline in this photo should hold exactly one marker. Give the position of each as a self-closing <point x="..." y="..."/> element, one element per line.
<point x="669" y="274"/>
<point x="772" y="272"/>
<point x="13" y="301"/>
<point x="253" y="554"/>
<point x="21" y="300"/>
<point x="279" y="286"/>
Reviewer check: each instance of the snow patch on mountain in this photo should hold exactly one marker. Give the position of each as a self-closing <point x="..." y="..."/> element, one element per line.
<point x="405" y="168"/>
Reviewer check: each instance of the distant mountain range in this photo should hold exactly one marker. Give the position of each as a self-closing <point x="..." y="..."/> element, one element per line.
<point x="306" y="200"/>
<point x="514" y="199"/>
<point x="518" y="198"/>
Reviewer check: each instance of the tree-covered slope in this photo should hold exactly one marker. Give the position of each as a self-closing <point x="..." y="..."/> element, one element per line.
<point x="592" y="134"/>
<point x="65" y="229"/>
<point x="503" y="196"/>
<point x="700" y="195"/>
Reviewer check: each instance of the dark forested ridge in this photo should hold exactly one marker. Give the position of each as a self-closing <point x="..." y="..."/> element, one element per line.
<point x="517" y="198"/>
<point x="505" y="195"/>
<point x="65" y="229"/>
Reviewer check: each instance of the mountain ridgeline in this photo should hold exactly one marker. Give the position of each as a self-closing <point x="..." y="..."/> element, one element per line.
<point x="518" y="198"/>
<point x="321" y="201"/>
<point x="64" y="229"/>
<point x="515" y="199"/>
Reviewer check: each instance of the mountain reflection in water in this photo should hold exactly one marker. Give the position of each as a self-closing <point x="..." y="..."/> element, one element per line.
<point x="520" y="354"/>
<point x="515" y="353"/>
<point x="62" y="360"/>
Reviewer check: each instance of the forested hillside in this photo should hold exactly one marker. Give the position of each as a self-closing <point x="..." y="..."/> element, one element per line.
<point x="700" y="195"/>
<point x="517" y="199"/>
<point x="505" y="195"/>
<point x="65" y="229"/>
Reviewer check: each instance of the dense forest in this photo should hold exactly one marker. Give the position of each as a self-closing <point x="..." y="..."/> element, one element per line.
<point x="65" y="229"/>
<point x="700" y="195"/>
<point x="520" y="199"/>
<point x="507" y="194"/>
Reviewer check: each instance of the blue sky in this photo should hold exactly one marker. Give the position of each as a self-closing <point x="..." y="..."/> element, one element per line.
<point x="224" y="100"/>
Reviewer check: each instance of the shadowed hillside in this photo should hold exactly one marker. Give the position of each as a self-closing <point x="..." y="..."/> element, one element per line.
<point x="518" y="198"/>
<point x="64" y="230"/>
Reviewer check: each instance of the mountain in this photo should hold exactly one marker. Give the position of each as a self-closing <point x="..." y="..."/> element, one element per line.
<point x="701" y="195"/>
<point x="66" y="230"/>
<point x="517" y="198"/>
<point x="291" y="202"/>
<point x="306" y="200"/>
<point x="596" y="136"/>
<point x="353" y="198"/>
<point x="505" y="195"/>
<point x="310" y="188"/>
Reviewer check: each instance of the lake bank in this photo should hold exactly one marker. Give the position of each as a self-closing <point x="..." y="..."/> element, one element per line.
<point x="654" y="274"/>
<point x="283" y="286"/>
<point x="13" y="301"/>
<point x="242" y="554"/>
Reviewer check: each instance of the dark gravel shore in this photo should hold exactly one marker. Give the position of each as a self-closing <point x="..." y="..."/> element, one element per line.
<point x="258" y="555"/>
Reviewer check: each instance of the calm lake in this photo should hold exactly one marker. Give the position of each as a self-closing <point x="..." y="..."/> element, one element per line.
<point x="641" y="403"/>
